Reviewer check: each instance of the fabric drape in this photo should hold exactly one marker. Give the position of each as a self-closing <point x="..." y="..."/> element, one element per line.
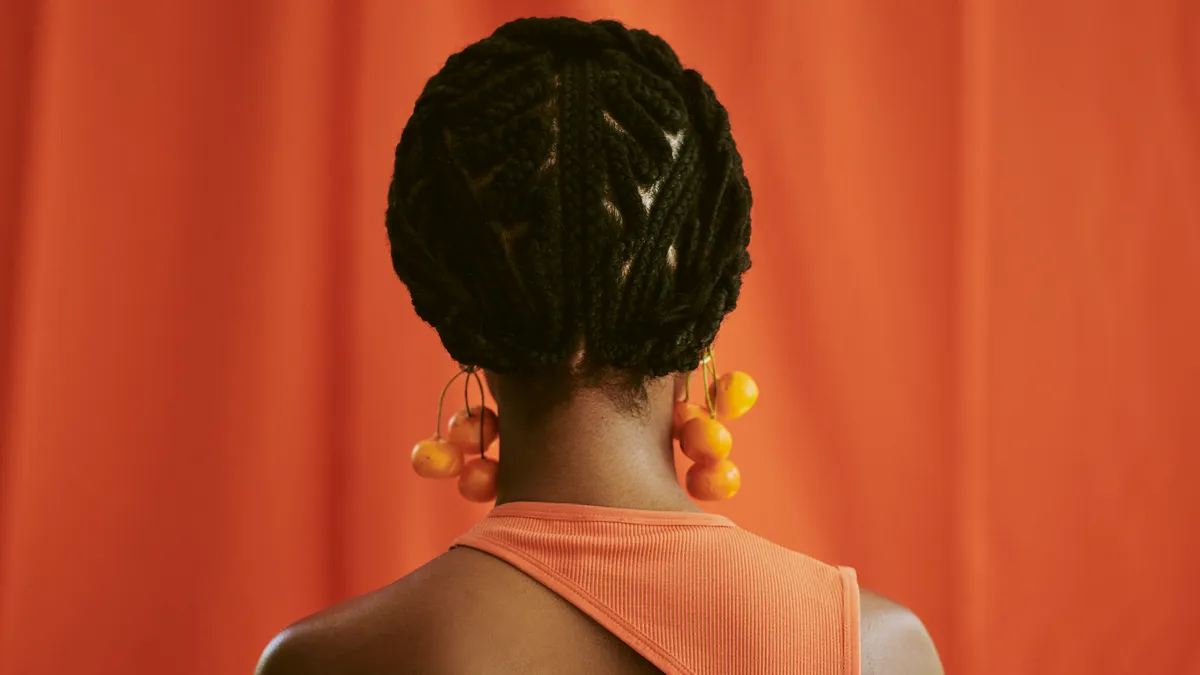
<point x="974" y="315"/>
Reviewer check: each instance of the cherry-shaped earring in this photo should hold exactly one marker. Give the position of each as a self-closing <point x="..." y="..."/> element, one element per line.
<point x="473" y="427"/>
<point x="705" y="440"/>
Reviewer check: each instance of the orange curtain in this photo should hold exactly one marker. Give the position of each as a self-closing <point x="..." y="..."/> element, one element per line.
<point x="974" y="315"/>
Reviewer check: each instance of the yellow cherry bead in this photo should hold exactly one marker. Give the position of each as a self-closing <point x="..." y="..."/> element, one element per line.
<point x="436" y="458"/>
<point x="705" y="440"/>
<point x="733" y="394"/>
<point x="714" y="482"/>
<point x="684" y="413"/>
<point x="478" y="480"/>
<point x="465" y="426"/>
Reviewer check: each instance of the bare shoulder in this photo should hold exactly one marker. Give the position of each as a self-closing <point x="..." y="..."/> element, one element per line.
<point x="463" y="612"/>
<point x="367" y="634"/>
<point x="315" y="645"/>
<point x="894" y="641"/>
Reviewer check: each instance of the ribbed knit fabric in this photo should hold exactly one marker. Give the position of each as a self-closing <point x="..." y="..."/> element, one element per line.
<point x="692" y="593"/>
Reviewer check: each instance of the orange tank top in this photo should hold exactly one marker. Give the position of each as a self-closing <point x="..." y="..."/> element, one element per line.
<point x="692" y="593"/>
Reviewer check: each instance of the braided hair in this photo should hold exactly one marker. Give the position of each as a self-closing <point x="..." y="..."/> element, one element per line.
<point x="566" y="194"/>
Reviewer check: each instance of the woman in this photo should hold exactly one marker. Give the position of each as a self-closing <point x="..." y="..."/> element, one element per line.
<point x="569" y="212"/>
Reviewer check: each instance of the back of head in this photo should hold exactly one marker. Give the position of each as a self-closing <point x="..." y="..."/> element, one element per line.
<point x="567" y="196"/>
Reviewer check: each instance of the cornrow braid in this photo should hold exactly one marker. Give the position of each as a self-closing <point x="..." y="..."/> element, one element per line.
<point x="566" y="193"/>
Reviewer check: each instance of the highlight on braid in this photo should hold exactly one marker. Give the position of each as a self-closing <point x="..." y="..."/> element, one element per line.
<point x="566" y="194"/>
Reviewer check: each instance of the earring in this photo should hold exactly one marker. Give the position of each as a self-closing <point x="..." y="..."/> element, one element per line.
<point x="704" y="439"/>
<point x="470" y="428"/>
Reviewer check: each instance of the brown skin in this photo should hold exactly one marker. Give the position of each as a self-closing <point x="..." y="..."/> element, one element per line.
<point x="489" y="617"/>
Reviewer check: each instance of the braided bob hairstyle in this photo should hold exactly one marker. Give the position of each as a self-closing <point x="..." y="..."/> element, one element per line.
<point x="567" y="195"/>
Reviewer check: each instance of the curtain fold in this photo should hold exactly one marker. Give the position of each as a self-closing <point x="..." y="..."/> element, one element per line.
<point x="973" y="314"/>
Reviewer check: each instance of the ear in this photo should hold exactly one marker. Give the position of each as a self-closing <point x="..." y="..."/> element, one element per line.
<point x="494" y="385"/>
<point x="681" y="383"/>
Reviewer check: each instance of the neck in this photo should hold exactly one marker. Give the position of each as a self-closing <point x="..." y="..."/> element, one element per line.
<point x="588" y="451"/>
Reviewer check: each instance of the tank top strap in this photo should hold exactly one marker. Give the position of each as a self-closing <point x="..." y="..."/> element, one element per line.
<point x="691" y="592"/>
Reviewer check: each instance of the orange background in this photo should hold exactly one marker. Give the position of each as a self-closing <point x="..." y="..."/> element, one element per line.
<point x="974" y="314"/>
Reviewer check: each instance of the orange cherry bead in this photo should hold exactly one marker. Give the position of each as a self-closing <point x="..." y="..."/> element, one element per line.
<point x="714" y="482"/>
<point x="436" y="458"/>
<point x="705" y="440"/>
<point x="477" y="482"/>
<point x="684" y="413"/>
<point x="465" y="425"/>
<point x="733" y="394"/>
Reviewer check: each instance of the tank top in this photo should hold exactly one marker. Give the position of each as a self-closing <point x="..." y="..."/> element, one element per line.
<point x="690" y="592"/>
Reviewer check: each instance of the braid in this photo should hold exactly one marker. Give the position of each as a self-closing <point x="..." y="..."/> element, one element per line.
<point x="566" y="193"/>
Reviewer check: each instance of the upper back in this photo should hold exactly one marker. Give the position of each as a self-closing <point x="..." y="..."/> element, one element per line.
<point x="690" y="592"/>
<point x="529" y="592"/>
